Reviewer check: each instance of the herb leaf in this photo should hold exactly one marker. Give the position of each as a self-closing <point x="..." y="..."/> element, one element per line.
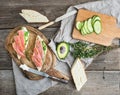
<point x="85" y="50"/>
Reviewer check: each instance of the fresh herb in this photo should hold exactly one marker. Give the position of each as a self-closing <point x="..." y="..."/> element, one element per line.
<point x="44" y="46"/>
<point x="85" y="50"/>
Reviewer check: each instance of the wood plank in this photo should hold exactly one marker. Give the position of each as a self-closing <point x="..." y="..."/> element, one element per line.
<point x="5" y="60"/>
<point x="10" y="18"/>
<point x="109" y="60"/>
<point x="7" y="85"/>
<point x="40" y="2"/>
<point x="95" y="85"/>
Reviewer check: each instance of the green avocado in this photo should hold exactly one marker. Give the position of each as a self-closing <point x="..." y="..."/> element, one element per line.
<point x="63" y="50"/>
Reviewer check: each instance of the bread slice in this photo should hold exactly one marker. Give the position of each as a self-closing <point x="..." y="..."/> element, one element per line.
<point x="32" y="16"/>
<point x="78" y="74"/>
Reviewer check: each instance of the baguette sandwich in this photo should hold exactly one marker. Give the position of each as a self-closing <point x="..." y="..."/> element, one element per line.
<point x="27" y="45"/>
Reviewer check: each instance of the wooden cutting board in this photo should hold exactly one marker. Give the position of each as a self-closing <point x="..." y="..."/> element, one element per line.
<point x="49" y="62"/>
<point x="109" y="32"/>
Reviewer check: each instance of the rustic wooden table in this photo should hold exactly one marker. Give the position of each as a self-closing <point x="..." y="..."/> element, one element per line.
<point x="103" y="74"/>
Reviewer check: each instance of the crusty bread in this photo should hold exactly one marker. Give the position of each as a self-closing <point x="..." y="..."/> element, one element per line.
<point x="32" y="16"/>
<point x="50" y="57"/>
<point x="78" y="74"/>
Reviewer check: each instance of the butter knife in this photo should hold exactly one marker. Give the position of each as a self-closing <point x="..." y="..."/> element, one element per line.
<point x="58" y="19"/>
<point x="26" y="68"/>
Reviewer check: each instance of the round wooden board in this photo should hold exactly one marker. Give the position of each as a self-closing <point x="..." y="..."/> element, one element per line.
<point x="50" y="57"/>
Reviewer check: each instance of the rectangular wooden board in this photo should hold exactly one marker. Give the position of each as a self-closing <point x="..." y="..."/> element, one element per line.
<point x="109" y="28"/>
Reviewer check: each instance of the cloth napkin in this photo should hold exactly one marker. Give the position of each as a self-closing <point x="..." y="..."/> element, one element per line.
<point x="25" y="86"/>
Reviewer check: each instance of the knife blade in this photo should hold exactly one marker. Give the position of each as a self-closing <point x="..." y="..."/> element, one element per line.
<point x="26" y="68"/>
<point x="58" y="19"/>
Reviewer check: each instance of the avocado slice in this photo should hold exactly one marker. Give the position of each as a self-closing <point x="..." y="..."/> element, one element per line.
<point x="63" y="50"/>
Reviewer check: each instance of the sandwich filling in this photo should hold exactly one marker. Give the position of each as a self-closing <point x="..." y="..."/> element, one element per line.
<point x="39" y="52"/>
<point x="21" y="42"/>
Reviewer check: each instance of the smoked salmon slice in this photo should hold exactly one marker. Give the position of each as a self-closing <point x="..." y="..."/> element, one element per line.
<point x="36" y="58"/>
<point x="37" y="61"/>
<point x="15" y="47"/>
<point x="18" y="44"/>
<point x="40" y="48"/>
<point x="21" y="35"/>
<point x="38" y="54"/>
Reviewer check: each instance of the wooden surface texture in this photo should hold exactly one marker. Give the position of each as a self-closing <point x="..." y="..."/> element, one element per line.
<point x="109" y="30"/>
<point x="103" y="74"/>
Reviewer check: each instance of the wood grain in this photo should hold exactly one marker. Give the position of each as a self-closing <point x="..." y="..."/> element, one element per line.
<point x="109" y="60"/>
<point x="109" y="28"/>
<point x="95" y="85"/>
<point x="7" y="84"/>
<point x="9" y="17"/>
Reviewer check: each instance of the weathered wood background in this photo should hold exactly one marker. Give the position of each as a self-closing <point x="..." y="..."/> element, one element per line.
<point x="103" y="74"/>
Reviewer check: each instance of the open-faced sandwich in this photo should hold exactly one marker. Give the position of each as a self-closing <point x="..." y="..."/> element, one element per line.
<point x="27" y="45"/>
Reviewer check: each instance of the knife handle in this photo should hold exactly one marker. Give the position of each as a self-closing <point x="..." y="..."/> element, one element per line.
<point x="58" y="79"/>
<point x="46" y="25"/>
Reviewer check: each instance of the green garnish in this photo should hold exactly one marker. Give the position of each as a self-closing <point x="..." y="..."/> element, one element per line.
<point x="85" y="50"/>
<point x="44" y="46"/>
<point x="26" y="35"/>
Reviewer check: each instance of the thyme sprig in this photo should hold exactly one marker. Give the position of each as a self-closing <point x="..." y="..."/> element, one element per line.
<point x="86" y="50"/>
